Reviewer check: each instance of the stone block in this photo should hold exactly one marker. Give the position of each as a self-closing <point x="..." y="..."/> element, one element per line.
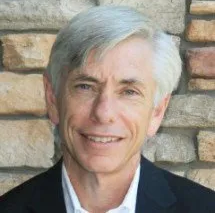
<point x="201" y="31"/>
<point x="26" y="143"/>
<point x="178" y="173"/>
<point x="23" y="52"/>
<point x="166" y="13"/>
<point x="169" y="148"/>
<point x="206" y="146"/>
<point x="200" y="62"/>
<point x="190" y="111"/>
<point x="202" y="7"/>
<point x="22" y="94"/>
<point x="11" y="180"/>
<point x="39" y="14"/>
<point x="201" y="84"/>
<point x="177" y="169"/>
<point x="205" y="177"/>
<point x="177" y="41"/>
<point x="149" y="148"/>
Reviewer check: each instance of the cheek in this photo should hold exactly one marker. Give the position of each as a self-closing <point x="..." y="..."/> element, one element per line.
<point x="137" y="119"/>
<point x="72" y="118"/>
<point x="76" y="106"/>
<point x="137" y="114"/>
<point x="75" y="116"/>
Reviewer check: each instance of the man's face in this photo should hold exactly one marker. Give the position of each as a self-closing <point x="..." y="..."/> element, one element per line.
<point x="105" y="109"/>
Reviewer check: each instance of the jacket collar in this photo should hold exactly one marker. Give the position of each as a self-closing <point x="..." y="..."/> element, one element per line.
<point x="154" y="194"/>
<point x="48" y="196"/>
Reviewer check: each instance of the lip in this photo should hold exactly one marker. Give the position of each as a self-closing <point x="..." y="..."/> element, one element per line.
<point x="100" y="146"/>
<point x="101" y="135"/>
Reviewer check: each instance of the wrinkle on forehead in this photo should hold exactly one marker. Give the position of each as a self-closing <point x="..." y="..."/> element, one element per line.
<point x="129" y="52"/>
<point x="130" y="59"/>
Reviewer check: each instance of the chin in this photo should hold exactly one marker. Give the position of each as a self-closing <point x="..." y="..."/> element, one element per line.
<point x="100" y="164"/>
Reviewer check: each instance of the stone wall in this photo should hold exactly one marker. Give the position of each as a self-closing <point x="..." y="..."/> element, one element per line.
<point x="185" y="144"/>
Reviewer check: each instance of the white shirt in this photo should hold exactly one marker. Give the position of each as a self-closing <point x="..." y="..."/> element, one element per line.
<point x="73" y="205"/>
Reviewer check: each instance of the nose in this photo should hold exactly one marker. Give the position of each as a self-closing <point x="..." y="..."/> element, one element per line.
<point x="104" y="109"/>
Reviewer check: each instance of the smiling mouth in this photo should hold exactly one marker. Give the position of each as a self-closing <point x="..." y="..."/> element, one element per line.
<point x="102" y="139"/>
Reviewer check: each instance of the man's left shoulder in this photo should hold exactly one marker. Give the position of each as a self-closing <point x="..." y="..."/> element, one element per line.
<point x="173" y="193"/>
<point x="188" y="191"/>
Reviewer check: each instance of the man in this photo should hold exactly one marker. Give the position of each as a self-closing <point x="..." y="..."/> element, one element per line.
<point x="108" y="83"/>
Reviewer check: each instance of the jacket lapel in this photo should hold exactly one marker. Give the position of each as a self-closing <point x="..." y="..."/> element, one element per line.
<point x="48" y="197"/>
<point x="154" y="194"/>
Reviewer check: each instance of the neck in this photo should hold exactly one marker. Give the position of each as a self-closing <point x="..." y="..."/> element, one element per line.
<point x="100" y="192"/>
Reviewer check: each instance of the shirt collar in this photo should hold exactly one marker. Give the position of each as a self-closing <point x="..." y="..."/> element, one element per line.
<point x="129" y="201"/>
<point x="73" y="204"/>
<point x="70" y="197"/>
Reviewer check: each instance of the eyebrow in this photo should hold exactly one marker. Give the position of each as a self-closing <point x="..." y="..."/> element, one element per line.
<point x="84" y="77"/>
<point x="133" y="82"/>
<point x="129" y="81"/>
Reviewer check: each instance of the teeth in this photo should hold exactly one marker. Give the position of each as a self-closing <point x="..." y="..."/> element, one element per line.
<point x="102" y="139"/>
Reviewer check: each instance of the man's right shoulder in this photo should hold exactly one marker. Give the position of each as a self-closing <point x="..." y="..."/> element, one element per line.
<point x="17" y="199"/>
<point x="19" y="196"/>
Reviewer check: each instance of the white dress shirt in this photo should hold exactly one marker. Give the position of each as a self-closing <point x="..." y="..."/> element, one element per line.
<point x="73" y="205"/>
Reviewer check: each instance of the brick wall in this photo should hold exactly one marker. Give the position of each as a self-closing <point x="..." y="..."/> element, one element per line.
<point x="185" y="143"/>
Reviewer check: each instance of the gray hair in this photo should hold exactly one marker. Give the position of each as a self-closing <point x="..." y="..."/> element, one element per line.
<point x="102" y="28"/>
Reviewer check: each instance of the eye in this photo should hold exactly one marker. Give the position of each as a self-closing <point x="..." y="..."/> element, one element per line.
<point x="83" y="86"/>
<point x="130" y="92"/>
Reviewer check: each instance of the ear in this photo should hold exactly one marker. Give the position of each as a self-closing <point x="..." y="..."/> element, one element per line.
<point x="157" y="116"/>
<point x="51" y="102"/>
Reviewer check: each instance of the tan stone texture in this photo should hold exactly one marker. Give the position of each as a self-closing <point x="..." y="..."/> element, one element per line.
<point x="202" y="7"/>
<point x="26" y="51"/>
<point x="26" y="143"/>
<point x="201" y="31"/>
<point x="177" y="169"/>
<point x="39" y="14"/>
<point x="205" y="177"/>
<point x="190" y="111"/>
<point x="149" y="149"/>
<point x="163" y="147"/>
<point x="22" y="94"/>
<point x="11" y="180"/>
<point x="200" y="62"/>
<point x="206" y="146"/>
<point x="177" y="41"/>
<point x="165" y="13"/>
<point x="201" y="84"/>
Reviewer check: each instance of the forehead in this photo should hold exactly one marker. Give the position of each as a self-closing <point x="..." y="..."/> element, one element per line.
<point x="131" y="58"/>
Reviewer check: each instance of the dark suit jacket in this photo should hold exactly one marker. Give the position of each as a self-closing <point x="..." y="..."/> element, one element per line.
<point x="158" y="192"/>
